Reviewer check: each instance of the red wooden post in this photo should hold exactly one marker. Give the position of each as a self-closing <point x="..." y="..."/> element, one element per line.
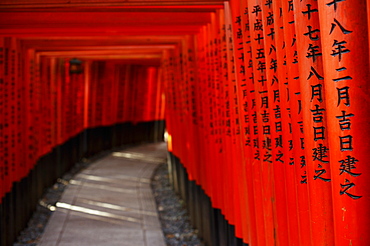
<point x="316" y="139"/>
<point x="236" y="155"/>
<point x="2" y="122"/>
<point x="263" y="169"/>
<point x="273" y="67"/>
<point x="244" y="168"/>
<point x="345" y="52"/>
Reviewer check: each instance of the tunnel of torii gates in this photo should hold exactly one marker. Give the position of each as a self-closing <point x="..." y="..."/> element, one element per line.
<point x="265" y="104"/>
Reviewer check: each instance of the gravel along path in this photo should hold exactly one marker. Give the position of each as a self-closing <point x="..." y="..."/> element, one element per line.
<point x="173" y="215"/>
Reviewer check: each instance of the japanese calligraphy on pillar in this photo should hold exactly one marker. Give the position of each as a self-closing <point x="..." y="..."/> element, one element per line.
<point x="247" y="110"/>
<point x="261" y="117"/>
<point x="263" y="127"/>
<point x="249" y="106"/>
<point x="315" y="120"/>
<point x="292" y="143"/>
<point x="273" y="115"/>
<point x="345" y="55"/>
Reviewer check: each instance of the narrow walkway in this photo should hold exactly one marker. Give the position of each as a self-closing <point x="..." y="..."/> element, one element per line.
<point x="110" y="203"/>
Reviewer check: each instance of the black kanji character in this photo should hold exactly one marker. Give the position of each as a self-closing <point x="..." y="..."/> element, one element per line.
<point x="317" y="113"/>
<point x="267" y="158"/>
<point x="304" y="179"/>
<point x="278" y="126"/>
<point x="272" y="48"/>
<point x="239" y="33"/>
<point x="258" y="25"/>
<point x="273" y="64"/>
<point x="265" y="116"/>
<point x="319" y="133"/>
<point x="343" y="94"/>
<point x="346" y="186"/>
<point x="260" y="53"/>
<point x="257" y="155"/>
<point x="290" y="144"/>
<point x="264" y="102"/>
<point x="256" y="9"/>
<point x="279" y="141"/>
<point x="276" y="95"/>
<point x="279" y="156"/>
<point x="334" y="2"/>
<point x="290" y="6"/>
<point x="347" y="165"/>
<point x="272" y="33"/>
<point x="339" y="49"/>
<point x="320" y="172"/>
<point x="277" y="112"/>
<point x="274" y="79"/>
<point x="262" y="80"/>
<point x="344" y="122"/>
<point x="346" y="143"/>
<point x="261" y="66"/>
<point x="313" y="52"/>
<point x="238" y="20"/>
<point x="242" y="69"/>
<point x="333" y="25"/>
<point x="266" y="144"/>
<point x="320" y="153"/>
<point x="309" y="11"/>
<point x="270" y="18"/>
<point x="295" y="60"/>
<point x="266" y="130"/>
<point x="268" y="3"/>
<point x="311" y="32"/>
<point x="255" y="143"/>
<point x="259" y="38"/>
<point x="316" y="91"/>
<point x="344" y="77"/>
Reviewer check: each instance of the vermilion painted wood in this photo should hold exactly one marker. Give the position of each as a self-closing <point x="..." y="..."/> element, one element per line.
<point x="218" y="187"/>
<point x="209" y="113"/>
<point x="345" y="52"/>
<point x="239" y="68"/>
<point x="7" y="124"/>
<point x="108" y="20"/>
<point x="291" y="80"/>
<point x="247" y="98"/>
<point x="112" y="4"/>
<point x="313" y="103"/>
<point x="192" y="135"/>
<point x="3" y="178"/>
<point x="277" y="168"/>
<point x="226" y="118"/>
<point x="10" y="127"/>
<point x="262" y="104"/>
<point x="284" y="113"/>
<point x="235" y="160"/>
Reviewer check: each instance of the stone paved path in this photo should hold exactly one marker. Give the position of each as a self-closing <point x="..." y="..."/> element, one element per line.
<point x="110" y="203"/>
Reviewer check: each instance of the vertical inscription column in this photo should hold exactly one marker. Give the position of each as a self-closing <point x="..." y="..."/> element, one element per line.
<point x="240" y="78"/>
<point x="246" y="99"/>
<point x="281" y="142"/>
<point x="261" y="117"/>
<point x="346" y="67"/>
<point x="294" y="148"/>
<point x="315" y="119"/>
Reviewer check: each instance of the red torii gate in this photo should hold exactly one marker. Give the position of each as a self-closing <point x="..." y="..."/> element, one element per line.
<point x="266" y="101"/>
